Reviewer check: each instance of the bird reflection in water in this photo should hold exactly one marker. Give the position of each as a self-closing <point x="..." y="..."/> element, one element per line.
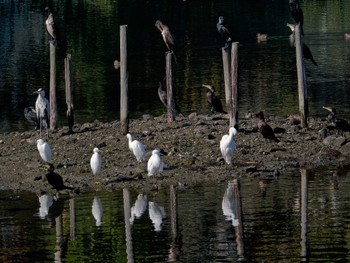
<point x="46" y="201"/>
<point x="97" y="210"/>
<point x="156" y="214"/>
<point x="139" y="207"/>
<point x="229" y="204"/>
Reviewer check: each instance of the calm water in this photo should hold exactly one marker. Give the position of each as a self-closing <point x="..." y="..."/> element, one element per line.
<point x="287" y="219"/>
<point x="267" y="76"/>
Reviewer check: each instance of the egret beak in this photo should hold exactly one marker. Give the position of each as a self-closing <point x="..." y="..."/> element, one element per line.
<point x="327" y="108"/>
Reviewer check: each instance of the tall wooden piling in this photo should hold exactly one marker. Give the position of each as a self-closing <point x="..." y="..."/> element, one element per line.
<point x="124" y="118"/>
<point x="69" y="94"/>
<point x="227" y="75"/>
<point x="234" y="86"/>
<point x="169" y="86"/>
<point x="302" y="87"/>
<point x="53" y="104"/>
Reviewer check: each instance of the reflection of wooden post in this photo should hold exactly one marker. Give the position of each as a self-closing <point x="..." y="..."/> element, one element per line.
<point x="69" y="96"/>
<point x="59" y="239"/>
<point x="227" y="76"/>
<point x="302" y="87"/>
<point x="174" y="246"/>
<point x="239" y="228"/>
<point x="127" y="215"/>
<point x="304" y="216"/>
<point x="53" y="104"/>
<point x="124" y="119"/>
<point x="234" y="85"/>
<point x="169" y="86"/>
<point x="72" y="224"/>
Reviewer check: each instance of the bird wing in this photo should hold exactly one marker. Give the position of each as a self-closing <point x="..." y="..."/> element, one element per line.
<point x="46" y="153"/>
<point x="138" y="150"/>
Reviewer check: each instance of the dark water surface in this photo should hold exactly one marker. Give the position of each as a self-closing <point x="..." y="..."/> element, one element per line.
<point x="296" y="217"/>
<point x="267" y="74"/>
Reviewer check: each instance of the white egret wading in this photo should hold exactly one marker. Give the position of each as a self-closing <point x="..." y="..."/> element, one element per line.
<point x="155" y="165"/>
<point x="96" y="162"/>
<point x="44" y="150"/>
<point x="228" y="145"/>
<point x="137" y="148"/>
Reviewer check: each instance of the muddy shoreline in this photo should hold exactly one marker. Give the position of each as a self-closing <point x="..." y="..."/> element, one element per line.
<point x="192" y="147"/>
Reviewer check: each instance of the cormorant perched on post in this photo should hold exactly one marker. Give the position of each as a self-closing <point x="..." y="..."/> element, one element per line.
<point x="224" y="32"/>
<point x="213" y="100"/>
<point x="30" y="115"/>
<point x="297" y="14"/>
<point x="306" y="50"/>
<point x="166" y="34"/>
<point x="163" y="98"/>
<point x="55" y="180"/>
<point x="340" y="124"/>
<point x="264" y="128"/>
<point x="52" y="28"/>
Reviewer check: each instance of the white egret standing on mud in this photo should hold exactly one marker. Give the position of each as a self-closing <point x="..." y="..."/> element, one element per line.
<point x="137" y="148"/>
<point x="96" y="162"/>
<point x="228" y="145"/>
<point x="42" y="108"/>
<point x="154" y="165"/>
<point x="44" y="150"/>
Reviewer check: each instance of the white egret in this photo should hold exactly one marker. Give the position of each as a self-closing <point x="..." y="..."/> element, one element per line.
<point x="97" y="210"/>
<point x="228" y="145"/>
<point x="137" y="148"/>
<point x="44" y="150"/>
<point x="139" y="207"/>
<point x="96" y="162"/>
<point x="155" y="165"/>
<point x="42" y="108"/>
<point x="156" y="214"/>
<point x="229" y="205"/>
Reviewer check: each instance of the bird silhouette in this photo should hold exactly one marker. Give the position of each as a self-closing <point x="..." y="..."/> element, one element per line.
<point x="297" y="14"/>
<point x="224" y="32"/>
<point x="213" y="100"/>
<point x="264" y="128"/>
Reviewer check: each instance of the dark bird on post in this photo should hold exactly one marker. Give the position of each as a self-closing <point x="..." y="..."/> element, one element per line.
<point x="341" y="125"/>
<point x="163" y="98"/>
<point x="55" y="180"/>
<point x="213" y="100"/>
<point x="30" y="115"/>
<point x="52" y="28"/>
<point x="264" y="128"/>
<point x="166" y="34"/>
<point x="297" y="14"/>
<point x="306" y="50"/>
<point x="224" y="32"/>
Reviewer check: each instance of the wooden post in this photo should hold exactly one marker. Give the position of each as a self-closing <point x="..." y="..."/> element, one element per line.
<point x="226" y="66"/>
<point x="72" y="221"/>
<point x="53" y="104"/>
<point x="128" y="232"/>
<point x="69" y="96"/>
<point x="302" y="87"/>
<point x="304" y="215"/>
<point x="234" y="86"/>
<point x="169" y="86"/>
<point x="124" y="118"/>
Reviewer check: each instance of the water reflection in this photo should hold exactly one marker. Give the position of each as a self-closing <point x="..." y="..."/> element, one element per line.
<point x="229" y="206"/>
<point x="97" y="210"/>
<point x="156" y="214"/>
<point x="139" y="207"/>
<point x="46" y="201"/>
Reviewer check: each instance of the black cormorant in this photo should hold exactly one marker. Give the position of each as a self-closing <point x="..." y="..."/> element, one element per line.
<point x="213" y="100"/>
<point x="297" y="14"/>
<point x="224" y="32"/>
<point x="55" y="180"/>
<point x="52" y="28"/>
<point x="340" y="124"/>
<point x="30" y="115"/>
<point x="264" y="128"/>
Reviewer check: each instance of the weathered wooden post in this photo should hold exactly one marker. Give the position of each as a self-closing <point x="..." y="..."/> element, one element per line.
<point x="169" y="86"/>
<point x="226" y="66"/>
<point x="72" y="221"/>
<point x="234" y="86"/>
<point x="304" y="214"/>
<point x="128" y="232"/>
<point x="124" y="118"/>
<point x="302" y="87"/>
<point x="69" y="96"/>
<point x="53" y="104"/>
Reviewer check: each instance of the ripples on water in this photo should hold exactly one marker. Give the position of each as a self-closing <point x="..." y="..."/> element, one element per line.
<point x="256" y="220"/>
<point x="267" y="75"/>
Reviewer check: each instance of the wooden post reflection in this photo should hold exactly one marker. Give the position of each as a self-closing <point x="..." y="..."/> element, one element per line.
<point x="127" y="215"/>
<point x="59" y="239"/>
<point x="239" y="228"/>
<point x="304" y="216"/>
<point x="176" y="241"/>
<point x="72" y="224"/>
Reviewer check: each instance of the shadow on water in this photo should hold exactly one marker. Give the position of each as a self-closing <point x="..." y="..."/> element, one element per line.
<point x="300" y="216"/>
<point x="267" y="73"/>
